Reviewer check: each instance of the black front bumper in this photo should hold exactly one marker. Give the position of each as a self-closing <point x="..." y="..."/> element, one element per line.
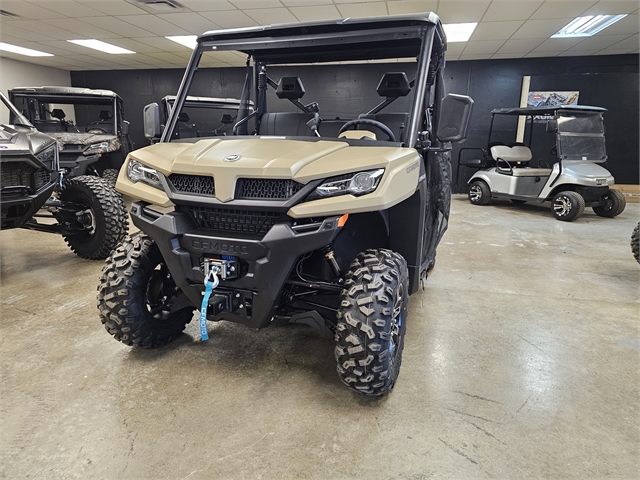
<point x="75" y="164"/>
<point x="267" y="262"/>
<point x="18" y="210"/>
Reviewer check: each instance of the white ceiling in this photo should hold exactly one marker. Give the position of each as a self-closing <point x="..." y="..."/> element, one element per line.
<point x="506" y="29"/>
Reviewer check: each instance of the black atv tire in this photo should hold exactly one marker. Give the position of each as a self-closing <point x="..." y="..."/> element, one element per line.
<point x="614" y="204"/>
<point x="135" y="296"/>
<point x="107" y="211"/>
<point x="567" y="206"/>
<point x="111" y="175"/>
<point x="635" y="243"/>
<point x="372" y="322"/>
<point x="479" y="193"/>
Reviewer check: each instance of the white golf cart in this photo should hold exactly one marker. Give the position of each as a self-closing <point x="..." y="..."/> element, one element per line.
<point x="574" y="181"/>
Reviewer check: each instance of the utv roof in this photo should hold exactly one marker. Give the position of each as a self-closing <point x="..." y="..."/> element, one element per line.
<point x="547" y="110"/>
<point x="329" y="40"/>
<point x="194" y="101"/>
<point x="65" y="91"/>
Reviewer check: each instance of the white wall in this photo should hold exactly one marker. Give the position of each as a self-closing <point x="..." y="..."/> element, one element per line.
<point x="20" y="74"/>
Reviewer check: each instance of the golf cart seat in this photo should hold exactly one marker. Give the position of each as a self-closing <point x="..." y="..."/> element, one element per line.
<point x="285" y="123"/>
<point x="517" y="159"/>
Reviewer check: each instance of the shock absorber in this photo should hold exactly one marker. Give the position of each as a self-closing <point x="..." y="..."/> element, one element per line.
<point x="329" y="256"/>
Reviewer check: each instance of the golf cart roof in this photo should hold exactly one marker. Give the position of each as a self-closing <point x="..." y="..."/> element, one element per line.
<point x="328" y="40"/>
<point x="62" y="92"/>
<point x="547" y="110"/>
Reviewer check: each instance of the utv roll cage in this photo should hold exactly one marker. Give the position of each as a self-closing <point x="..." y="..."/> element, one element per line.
<point x="330" y="41"/>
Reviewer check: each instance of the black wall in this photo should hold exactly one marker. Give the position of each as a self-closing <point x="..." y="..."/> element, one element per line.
<point x="608" y="81"/>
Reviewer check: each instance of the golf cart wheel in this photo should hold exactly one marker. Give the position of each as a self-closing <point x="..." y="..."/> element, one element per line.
<point x="567" y="206"/>
<point x="372" y="322"/>
<point x="613" y="204"/>
<point x="111" y="175"/>
<point x="136" y="296"/>
<point x="635" y="243"/>
<point x="103" y="222"/>
<point x="479" y="193"/>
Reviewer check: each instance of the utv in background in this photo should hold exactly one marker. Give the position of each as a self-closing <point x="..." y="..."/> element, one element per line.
<point x="95" y="143"/>
<point x="200" y="117"/>
<point x="294" y="218"/>
<point x="576" y="177"/>
<point x="86" y="210"/>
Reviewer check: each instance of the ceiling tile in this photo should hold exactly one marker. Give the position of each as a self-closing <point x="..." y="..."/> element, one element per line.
<point x="230" y="19"/>
<point x="302" y="3"/>
<point x="191" y="22"/>
<point x="630" y="42"/>
<point x="271" y="16"/>
<point x="472" y="57"/>
<point x="557" y="9"/>
<point x="411" y="6"/>
<point x="170" y="58"/>
<point x="363" y="10"/>
<point x="557" y="44"/>
<point x="607" y="7"/>
<point x="162" y="44"/>
<point x="68" y="8"/>
<point x="208" y="5"/>
<point x="508" y="55"/>
<point x="519" y="46"/>
<point x="629" y="24"/>
<point x="503" y="10"/>
<point x="569" y="53"/>
<point x="615" y="51"/>
<point x="540" y="54"/>
<point x="154" y="24"/>
<point x="28" y="11"/>
<point x="58" y="50"/>
<point x="455" y="49"/>
<point x="113" y="7"/>
<point x="19" y="32"/>
<point x="462" y="11"/>
<point x="540" y="28"/>
<point x="495" y="30"/>
<point x="78" y="28"/>
<point x="482" y="47"/>
<point x="117" y="26"/>
<point x="598" y="42"/>
<point x="42" y="28"/>
<point x="311" y="13"/>
<point x="245" y="4"/>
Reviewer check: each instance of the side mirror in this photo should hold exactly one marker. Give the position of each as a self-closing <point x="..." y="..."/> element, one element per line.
<point x="552" y="126"/>
<point x="125" y="127"/>
<point x="151" y="114"/>
<point x="454" y="118"/>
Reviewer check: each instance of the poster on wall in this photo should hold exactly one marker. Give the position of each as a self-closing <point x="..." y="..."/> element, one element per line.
<point x="549" y="99"/>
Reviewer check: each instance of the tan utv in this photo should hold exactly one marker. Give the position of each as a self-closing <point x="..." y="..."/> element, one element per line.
<point x="328" y="217"/>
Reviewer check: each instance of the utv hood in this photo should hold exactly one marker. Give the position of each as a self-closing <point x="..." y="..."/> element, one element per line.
<point x="18" y="139"/>
<point x="267" y="157"/>
<point x="86" y="139"/>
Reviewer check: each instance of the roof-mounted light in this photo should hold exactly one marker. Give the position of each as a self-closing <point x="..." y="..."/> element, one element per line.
<point x="587" y="26"/>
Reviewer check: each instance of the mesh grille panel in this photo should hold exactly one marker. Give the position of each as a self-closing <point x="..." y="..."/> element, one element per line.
<point x="41" y="177"/>
<point x="250" y="222"/>
<point x="68" y="157"/>
<point x="267" y="189"/>
<point x="196" y="184"/>
<point x="17" y="174"/>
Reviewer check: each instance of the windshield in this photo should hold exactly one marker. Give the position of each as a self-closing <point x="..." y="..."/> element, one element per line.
<point x="204" y="117"/>
<point x="581" y="137"/>
<point x="583" y="124"/>
<point x="60" y="114"/>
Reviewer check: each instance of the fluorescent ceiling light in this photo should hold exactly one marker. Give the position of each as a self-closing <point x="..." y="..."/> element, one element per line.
<point x="459" y="32"/>
<point x="23" y="51"/>
<point x="587" y="26"/>
<point x="189" y="41"/>
<point x="102" y="46"/>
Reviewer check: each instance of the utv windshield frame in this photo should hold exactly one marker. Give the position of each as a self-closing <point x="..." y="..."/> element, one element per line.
<point x="421" y="37"/>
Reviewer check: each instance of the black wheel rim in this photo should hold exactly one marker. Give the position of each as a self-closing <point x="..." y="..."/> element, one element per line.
<point x="607" y="203"/>
<point x="562" y="206"/>
<point x="397" y="323"/>
<point x="161" y="294"/>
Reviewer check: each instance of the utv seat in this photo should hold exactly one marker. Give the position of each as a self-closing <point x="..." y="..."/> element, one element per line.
<point x="517" y="157"/>
<point x="285" y="123"/>
<point x="392" y="85"/>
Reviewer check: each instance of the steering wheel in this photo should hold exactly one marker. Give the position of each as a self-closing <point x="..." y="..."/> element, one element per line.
<point x="96" y="130"/>
<point x="367" y="121"/>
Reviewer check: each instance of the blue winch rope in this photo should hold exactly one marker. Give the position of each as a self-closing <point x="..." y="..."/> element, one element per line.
<point x="204" y="334"/>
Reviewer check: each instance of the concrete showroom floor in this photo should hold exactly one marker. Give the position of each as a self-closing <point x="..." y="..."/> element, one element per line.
<point x="521" y="361"/>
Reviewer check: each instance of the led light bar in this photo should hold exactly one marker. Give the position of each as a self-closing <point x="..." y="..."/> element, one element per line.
<point x="459" y="32"/>
<point x="7" y="47"/>
<point x="587" y="26"/>
<point x="101" y="46"/>
<point x="189" y="41"/>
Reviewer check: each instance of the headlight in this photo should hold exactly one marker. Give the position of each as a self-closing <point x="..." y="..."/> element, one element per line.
<point x="96" y="148"/>
<point x="137" y="172"/>
<point x="359" y="183"/>
<point x="49" y="156"/>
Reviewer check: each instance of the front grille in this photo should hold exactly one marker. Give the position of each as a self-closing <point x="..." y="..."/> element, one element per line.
<point x="250" y="222"/>
<point x="20" y="174"/>
<point x="73" y="146"/>
<point x="266" y="189"/>
<point x="69" y="157"/>
<point x="194" y="184"/>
